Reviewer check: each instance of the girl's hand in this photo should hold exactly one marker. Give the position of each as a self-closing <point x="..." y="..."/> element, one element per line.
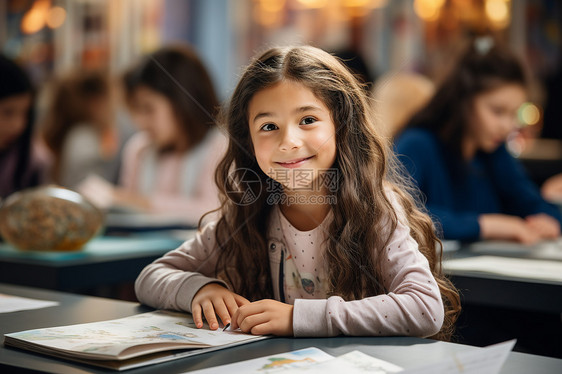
<point x="99" y="191"/>
<point x="544" y="225"/>
<point x="264" y="317"/>
<point x="552" y="188"/>
<point x="505" y="227"/>
<point x="212" y="300"/>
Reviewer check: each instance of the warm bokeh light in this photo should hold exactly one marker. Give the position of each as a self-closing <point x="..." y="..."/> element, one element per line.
<point x="35" y="18"/>
<point x="358" y="6"/>
<point x="529" y="114"/>
<point x="313" y="4"/>
<point x="56" y="17"/>
<point x="268" y="13"/>
<point x="497" y="11"/>
<point x="356" y="3"/>
<point x="428" y="10"/>
<point x="271" y="6"/>
<point x="378" y="3"/>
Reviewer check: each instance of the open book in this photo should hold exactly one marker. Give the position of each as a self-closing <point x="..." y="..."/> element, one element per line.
<point x="129" y="342"/>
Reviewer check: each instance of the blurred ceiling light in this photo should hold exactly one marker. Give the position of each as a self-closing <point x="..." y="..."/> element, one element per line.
<point x="360" y="8"/>
<point x="313" y="4"/>
<point x="428" y="10"/>
<point x="34" y="19"/>
<point x="378" y="3"/>
<point x="497" y="11"/>
<point x="56" y="17"/>
<point x="529" y="114"/>
<point x="271" y="5"/>
<point x="268" y="12"/>
<point x="355" y="3"/>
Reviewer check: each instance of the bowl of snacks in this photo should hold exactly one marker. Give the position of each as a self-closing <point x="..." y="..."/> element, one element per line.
<point x="49" y="218"/>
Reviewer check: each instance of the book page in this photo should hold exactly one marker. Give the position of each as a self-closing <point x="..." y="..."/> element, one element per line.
<point x="9" y="303"/>
<point x="307" y="360"/>
<point x="272" y="364"/>
<point x="127" y="337"/>
<point x="354" y="362"/>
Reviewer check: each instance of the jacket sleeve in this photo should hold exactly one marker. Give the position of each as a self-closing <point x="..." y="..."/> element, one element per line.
<point x="205" y="196"/>
<point x="418" y="153"/>
<point x="412" y="306"/>
<point x="172" y="281"/>
<point x="522" y="197"/>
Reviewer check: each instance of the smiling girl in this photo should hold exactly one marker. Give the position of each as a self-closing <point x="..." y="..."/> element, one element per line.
<point x="316" y="235"/>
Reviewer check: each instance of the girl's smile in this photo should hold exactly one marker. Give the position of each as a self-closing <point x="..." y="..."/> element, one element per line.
<point x="294" y="163"/>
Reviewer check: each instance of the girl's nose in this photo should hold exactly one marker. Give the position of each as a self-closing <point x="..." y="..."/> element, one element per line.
<point x="290" y="139"/>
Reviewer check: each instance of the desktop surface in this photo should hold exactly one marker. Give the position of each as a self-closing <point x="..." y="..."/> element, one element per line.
<point x="407" y="352"/>
<point x="104" y="261"/>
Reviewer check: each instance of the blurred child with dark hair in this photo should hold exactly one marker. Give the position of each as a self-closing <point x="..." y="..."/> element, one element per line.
<point x="168" y="166"/>
<point x="20" y="165"/>
<point x="454" y="149"/>
<point x="80" y="130"/>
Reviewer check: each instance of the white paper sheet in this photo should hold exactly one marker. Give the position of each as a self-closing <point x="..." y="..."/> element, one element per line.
<point x="9" y="303"/>
<point x="515" y="267"/>
<point x="488" y="360"/>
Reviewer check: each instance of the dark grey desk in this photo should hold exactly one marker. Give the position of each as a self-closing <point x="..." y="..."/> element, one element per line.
<point x="499" y="307"/>
<point x="497" y="290"/>
<point x="404" y="351"/>
<point x="105" y="261"/>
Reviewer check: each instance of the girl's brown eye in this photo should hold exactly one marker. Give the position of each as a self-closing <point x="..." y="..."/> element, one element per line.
<point x="269" y="127"/>
<point x="308" y="121"/>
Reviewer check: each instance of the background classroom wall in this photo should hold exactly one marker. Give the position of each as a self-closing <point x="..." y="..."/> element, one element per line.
<point x="51" y="36"/>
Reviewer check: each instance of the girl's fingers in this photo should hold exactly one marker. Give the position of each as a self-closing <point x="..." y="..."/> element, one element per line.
<point x="247" y="316"/>
<point x="241" y="300"/>
<point x="196" y="313"/>
<point x="222" y="311"/>
<point x="231" y="305"/>
<point x="261" y="329"/>
<point x="210" y="315"/>
<point x="248" y="323"/>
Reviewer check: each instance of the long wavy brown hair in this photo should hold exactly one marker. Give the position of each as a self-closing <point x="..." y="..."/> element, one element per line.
<point x="366" y="168"/>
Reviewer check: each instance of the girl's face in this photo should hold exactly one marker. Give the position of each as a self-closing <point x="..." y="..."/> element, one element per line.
<point x="495" y="116"/>
<point x="293" y="134"/>
<point x="13" y="118"/>
<point x="153" y="113"/>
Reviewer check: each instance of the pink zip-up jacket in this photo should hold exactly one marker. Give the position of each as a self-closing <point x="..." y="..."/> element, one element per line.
<point x="412" y="306"/>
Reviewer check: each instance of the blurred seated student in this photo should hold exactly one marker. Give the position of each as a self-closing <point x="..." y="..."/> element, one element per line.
<point x="454" y="149"/>
<point x="80" y="130"/>
<point x="20" y="164"/>
<point x="168" y="166"/>
<point x="397" y="96"/>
